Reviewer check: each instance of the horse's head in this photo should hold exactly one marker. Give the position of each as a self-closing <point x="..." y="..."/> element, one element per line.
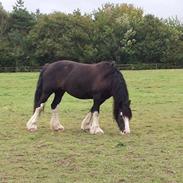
<point x="121" y="109"/>
<point x="123" y="118"/>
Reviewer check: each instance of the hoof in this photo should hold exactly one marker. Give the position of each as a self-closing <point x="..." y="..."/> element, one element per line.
<point x="85" y="128"/>
<point x="99" y="131"/>
<point x="124" y="133"/>
<point x="96" y="131"/>
<point x="59" y="128"/>
<point x="32" y="129"/>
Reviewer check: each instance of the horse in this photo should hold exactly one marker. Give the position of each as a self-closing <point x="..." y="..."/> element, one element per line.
<point x="98" y="81"/>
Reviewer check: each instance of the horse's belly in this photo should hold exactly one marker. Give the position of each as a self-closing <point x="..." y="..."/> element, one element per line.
<point x="80" y="95"/>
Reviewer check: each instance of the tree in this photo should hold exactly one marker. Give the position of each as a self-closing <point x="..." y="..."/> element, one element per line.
<point x="3" y="20"/>
<point x="60" y="36"/>
<point x="117" y="32"/>
<point x="5" y="57"/>
<point x="114" y="37"/>
<point x="151" y="40"/>
<point x="21" y="22"/>
<point x="174" y="53"/>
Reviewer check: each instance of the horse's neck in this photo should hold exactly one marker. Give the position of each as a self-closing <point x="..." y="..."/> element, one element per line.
<point x="120" y="92"/>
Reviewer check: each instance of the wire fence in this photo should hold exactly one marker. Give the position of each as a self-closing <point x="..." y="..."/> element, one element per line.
<point x="119" y="66"/>
<point x="148" y="66"/>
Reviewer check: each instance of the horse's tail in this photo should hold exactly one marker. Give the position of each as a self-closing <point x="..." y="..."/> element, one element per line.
<point x="39" y="88"/>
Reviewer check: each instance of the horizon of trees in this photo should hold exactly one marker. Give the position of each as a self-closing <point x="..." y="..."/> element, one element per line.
<point x="119" y="32"/>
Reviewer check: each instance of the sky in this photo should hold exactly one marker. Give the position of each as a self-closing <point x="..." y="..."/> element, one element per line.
<point x="160" y="8"/>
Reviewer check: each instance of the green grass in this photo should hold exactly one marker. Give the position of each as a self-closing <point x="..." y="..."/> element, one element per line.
<point x="152" y="153"/>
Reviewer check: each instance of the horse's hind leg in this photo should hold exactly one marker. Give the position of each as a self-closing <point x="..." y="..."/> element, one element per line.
<point x="55" y="122"/>
<point x="32" y="123"/>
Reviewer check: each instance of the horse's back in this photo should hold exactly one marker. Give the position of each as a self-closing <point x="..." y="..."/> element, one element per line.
<point x="67" y="67"/>
<point x="78" y="79"/>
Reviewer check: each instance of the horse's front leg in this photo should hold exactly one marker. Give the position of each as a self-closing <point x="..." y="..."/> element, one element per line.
<point x="55" y="122"/>
<point x="95" y="127"/>
<point x="91" y="123"/>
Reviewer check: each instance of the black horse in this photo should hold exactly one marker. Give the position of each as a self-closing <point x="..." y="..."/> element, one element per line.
<point x="85" y="81"/>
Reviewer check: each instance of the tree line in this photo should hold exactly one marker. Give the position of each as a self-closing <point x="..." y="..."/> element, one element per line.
<point x="119" y="32"/>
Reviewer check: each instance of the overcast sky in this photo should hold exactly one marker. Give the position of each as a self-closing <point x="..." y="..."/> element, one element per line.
<point x="160" y="8"/>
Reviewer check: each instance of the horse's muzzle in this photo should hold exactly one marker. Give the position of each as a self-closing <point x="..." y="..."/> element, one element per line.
<point x="125" y="132"/>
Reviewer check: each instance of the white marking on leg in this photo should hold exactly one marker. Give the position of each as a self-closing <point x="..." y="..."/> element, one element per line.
<point x="55" y="122"/>
<point x="31" y="124"/>
<point x="95" y="128"/>
<point x="86" y="123"/>
<point x="127" y="126"/>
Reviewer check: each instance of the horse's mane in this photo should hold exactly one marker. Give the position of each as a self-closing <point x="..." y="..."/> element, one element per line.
<point x="120" y="92"/>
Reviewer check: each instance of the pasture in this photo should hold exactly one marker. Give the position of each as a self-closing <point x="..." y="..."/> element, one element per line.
<point x="152" y="153"/>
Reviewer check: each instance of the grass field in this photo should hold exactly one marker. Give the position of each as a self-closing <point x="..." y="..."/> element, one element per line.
<point x="152" y="153"/>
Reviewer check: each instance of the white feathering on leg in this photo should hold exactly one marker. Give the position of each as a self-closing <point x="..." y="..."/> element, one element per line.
<point x="86" y="123"/>
<point x="55" y="122"/>
<point x="95" y="128"/>
<point x="31" y="124"/>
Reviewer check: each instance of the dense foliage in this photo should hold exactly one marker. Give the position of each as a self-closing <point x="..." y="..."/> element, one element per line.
<point x="114" y="32"/>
